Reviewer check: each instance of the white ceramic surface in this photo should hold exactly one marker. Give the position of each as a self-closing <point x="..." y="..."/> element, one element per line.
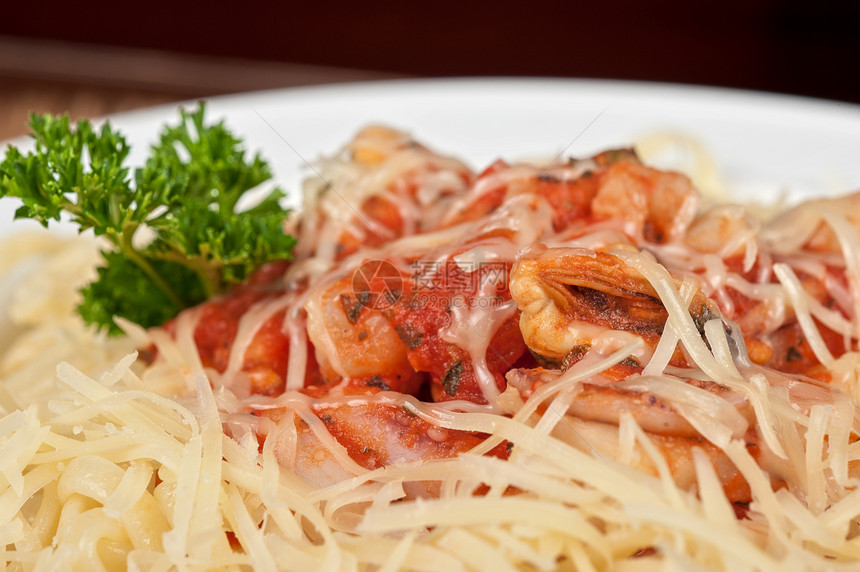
<point x="764" y="145"/>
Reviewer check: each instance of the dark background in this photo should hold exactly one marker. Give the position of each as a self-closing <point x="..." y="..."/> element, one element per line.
<point x="792" y="47"/>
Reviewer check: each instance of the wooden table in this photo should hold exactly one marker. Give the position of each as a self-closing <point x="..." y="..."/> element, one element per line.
<point x="89" y="81"/>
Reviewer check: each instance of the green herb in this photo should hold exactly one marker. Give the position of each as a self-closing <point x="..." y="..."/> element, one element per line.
<point x="377" y="381"/>
<point x="195" y="243"/>
<point x="351" y="307"/>
<point x="411" y="335"/>
<point x="451" y="379"/>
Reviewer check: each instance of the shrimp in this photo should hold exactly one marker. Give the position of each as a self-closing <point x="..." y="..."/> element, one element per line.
<point x="725" y="230"/>
<point x="460" y="327"/>
<point x="353" y="337"/>
<point x="612" y="187"/>
<point x="808" y="226"/>
<point x="656" y="206"/>
<point x="594" y="416"/>
<point x="383" y="186"/>
<point x="346" y="429"/>
<point x="734" y="255"/>
<point x="676" y="450"/>
<point x="405" y="336"/>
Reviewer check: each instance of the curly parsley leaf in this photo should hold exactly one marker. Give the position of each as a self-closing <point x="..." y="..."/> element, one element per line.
<point x="139" y="301"/>
<point x="185" y="196"/>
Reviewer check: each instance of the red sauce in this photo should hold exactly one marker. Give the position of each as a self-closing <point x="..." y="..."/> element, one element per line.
<point x="267" y="356"/>
<point x="426" y="310"/>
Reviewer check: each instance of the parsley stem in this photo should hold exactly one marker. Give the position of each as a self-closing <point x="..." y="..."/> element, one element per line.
<point x="132" y="254"/>
<point x="207" y="273"/>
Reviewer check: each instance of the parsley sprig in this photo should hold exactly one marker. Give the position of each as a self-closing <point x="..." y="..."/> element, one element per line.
<point x="196" y="243"/>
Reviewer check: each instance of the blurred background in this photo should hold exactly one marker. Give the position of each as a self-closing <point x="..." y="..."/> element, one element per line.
<point x="97" y="57"/>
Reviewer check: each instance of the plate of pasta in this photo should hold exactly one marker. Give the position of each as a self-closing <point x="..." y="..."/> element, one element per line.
<point x="434" y="325"/>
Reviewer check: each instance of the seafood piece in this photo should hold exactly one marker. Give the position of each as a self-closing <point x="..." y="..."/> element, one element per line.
<point x="599" y="406"/>
<point x="574" y="298"/>
<point x="451" y="325"/>
<point x="383" y="186"/>
<point x="809" y="226"/>
<point x="606" y="397"/>
<point x="725" y="230"/>
<point x="676" y="450"/>
<point x="735" y="260"/>
<point x="346" y="429"/>
<point x="612" y="187"/>
<point x="352" y="335"/>
<point x="459" y="326"/>
<point x="569" y="192"/>
<point x="655" y="206"/>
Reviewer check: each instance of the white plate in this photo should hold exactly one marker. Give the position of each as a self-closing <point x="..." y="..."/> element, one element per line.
<point x="764" y="145"/>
